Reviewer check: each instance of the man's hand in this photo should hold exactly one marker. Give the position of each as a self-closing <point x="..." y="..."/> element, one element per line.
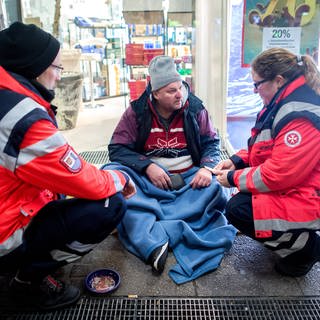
<point x="158" y="176"/>
<point x="201" y="179"/>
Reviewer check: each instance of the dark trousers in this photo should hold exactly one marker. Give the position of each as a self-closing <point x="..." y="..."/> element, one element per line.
<point x="59" y="226"/>
<point x="239" y="214"/>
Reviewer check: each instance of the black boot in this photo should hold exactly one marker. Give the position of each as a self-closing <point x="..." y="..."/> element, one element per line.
<point x="293" y="267"/>
<point x="48" y="295"/>
<point x="300" y="263"/>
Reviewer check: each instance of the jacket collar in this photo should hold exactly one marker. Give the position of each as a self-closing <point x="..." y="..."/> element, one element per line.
<point x="19" y="84"/>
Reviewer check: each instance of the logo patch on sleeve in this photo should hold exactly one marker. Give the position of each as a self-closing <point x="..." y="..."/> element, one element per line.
<point x="71" y="161"/>
<point x="292" y="138"/>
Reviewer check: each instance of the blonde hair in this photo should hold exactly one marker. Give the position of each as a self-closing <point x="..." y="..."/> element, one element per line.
<point x="279" y="61"/>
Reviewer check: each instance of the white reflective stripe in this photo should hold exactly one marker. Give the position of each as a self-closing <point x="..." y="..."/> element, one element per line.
<point x="282" y="225"/>
<point x="294" y="106"/>
<point x="60" y="255"/>
<point x="174" y="164"/>
<point x="11" y="243"/>
<point x="176" y="130"/>
<point x="243" y="180"/>
<point x="264" y="135"/>
<point x="8" y="122"/>
<point x="69" y="257"/>
<point x="297" y="246"/>
<point x="81" y="247"/>
<point x="156" y="130"/>
<point x="286" y="237"/>
<point x="40" y="148"/>
<point x="8" y="162"/>
<point x="257" y="181"/>
<point x="116" y="180"/>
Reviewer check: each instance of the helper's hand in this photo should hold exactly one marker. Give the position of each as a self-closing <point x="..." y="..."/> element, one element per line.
<point x="129" y="189"/>
<point x="201" y="179"/>
<point x="158" y="176"/>
<point x="224" y="165"/>
<point x="221" y="176"/>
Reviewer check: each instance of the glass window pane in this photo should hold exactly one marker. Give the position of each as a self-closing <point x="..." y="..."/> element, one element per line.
<point x="242" y="103"/>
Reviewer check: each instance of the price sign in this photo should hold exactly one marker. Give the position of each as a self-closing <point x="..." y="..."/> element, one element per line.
<point x="288" y="38"/>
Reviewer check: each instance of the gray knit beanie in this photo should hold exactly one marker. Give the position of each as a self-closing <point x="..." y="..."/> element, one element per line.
<point x="162" y="71"/>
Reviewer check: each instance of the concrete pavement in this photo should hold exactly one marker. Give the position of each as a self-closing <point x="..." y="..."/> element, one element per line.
<point x="247" y="270"/>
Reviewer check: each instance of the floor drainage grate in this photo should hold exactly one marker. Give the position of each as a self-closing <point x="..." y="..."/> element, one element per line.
<point x="95" y="157"/>
<point x="265" y="308"/>
<point x="224" y="154"/>
<point x="102" y="157"/>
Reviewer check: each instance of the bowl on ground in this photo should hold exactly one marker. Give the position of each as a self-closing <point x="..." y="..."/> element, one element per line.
<point x="102" y="281"/>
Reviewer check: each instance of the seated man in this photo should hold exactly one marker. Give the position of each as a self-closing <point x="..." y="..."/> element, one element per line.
<point x="164" y="140"/>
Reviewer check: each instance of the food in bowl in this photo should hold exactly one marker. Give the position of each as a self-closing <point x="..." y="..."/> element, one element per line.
<point x="102" y="281"/>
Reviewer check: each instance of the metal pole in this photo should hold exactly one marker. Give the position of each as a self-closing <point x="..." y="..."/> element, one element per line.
<point x="165" y="8"/>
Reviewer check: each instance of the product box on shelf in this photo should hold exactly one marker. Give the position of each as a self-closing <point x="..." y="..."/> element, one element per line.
<point x="82" y="22"/>
<point x="85" y="22"/>
<point x="149" y="54"/>
<point x="136" y="88"/>
<point x="114" y="79"/>
<point x="98" y="51"/>
<point x="134" y="54"/>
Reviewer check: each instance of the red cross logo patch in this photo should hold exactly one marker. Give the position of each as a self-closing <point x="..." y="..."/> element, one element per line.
<point x="292" y="138"/>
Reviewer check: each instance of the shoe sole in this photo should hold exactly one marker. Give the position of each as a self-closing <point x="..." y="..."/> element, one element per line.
<point x="155" y="263"/>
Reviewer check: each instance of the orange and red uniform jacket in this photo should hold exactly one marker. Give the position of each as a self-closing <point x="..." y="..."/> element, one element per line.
<point x="281" y="167"/>
<point x="37" y="163"/>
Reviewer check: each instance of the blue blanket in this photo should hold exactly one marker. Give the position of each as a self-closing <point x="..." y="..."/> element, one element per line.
<point x="191" y="220"/>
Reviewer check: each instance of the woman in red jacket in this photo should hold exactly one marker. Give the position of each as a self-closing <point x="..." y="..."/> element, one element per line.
<point x="41" y="231"/>
<point x="278" y="176"/>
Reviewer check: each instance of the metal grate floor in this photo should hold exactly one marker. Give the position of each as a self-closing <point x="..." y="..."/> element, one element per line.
<point x="95" y="157"/>
<point x="102" y="157"/>
<point x="92" y="308"/>
<point x="224" y="154"/>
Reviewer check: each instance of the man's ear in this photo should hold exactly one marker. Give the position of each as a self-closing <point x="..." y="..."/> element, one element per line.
<point x="155" y="94"/>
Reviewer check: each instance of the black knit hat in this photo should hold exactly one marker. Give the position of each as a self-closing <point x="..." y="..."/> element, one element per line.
<point x="27" y="49"/>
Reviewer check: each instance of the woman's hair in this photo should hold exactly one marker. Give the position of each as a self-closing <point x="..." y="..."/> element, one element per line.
<point x="279" y="61"/>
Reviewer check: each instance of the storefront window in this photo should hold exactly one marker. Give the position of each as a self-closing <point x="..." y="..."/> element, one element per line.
<point x="242" y="103"/>
<point x="157" y="28"/>
<point x="116" y="40"/>
<point x="10" y="11"/>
